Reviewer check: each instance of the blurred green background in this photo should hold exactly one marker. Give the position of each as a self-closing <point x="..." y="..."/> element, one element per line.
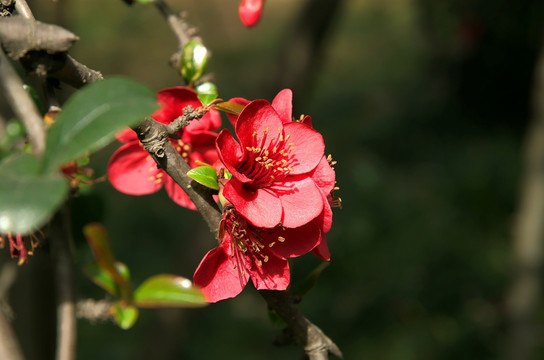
<point x="424" y="104"/>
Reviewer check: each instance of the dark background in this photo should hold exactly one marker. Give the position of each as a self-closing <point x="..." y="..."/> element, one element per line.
<point x="425" y="106"/>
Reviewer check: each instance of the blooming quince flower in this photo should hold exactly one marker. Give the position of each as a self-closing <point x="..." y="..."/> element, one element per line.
<point x="250" y="11"/>
<point x="131" y="169"/>
<point x="271" y="167"/>
<point x="247" y="252"/>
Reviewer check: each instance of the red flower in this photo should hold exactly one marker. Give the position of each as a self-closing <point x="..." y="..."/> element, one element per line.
<point x="250" y="252"/>
<point x="271" y="167"/>
<point x="323" y="175"/>
<point x="250" y="11"/>
<point x="131" y="169"/>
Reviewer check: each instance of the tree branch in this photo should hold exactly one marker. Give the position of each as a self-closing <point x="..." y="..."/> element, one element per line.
<point x="183" y="31"/>
<point x="61" y="248"/>
<point x="154" y="137"/>
<point x="22" y="104"/>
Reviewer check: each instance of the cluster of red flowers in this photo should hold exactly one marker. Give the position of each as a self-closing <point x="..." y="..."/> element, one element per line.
<point x="278" y="199"/>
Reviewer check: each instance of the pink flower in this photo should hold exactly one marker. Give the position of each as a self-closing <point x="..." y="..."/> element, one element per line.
<point x="131" y="169"/>
<point x="250" y="11"/>
<point x="247" y="252"/>
<point x="271" y="167"/>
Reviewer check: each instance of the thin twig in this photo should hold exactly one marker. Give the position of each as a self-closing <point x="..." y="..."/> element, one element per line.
<point x="61" y="244"/>
<point x="9" y="346"/>
<point x="23" y="9"/>
<point x="181" y="29"/>
<point x="524" y="297"/>
<point x="22" y="104"/>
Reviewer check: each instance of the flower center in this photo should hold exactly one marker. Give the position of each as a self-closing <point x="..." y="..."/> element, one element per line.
<point x="247" y="245"/>
<point x="267" y="161"/>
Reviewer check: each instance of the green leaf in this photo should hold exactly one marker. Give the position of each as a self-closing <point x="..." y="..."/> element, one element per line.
<point x="207" y="92"/>
<point x="118" y="272"/>
<point x="103" y="278"/>
<point x="194" y="60"/>
<point x="229" y="107"/>
<point x="167" y="290"/>
<point x="28" y="199"/>
<point x="90" y="119"/>
<point x="205" y="175"/>
<point x="311" y="280"/>
<point x="125" y="316"/>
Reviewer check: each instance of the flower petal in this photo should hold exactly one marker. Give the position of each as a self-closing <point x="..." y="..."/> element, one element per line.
<point x="288" y="243"/>
<point x="132" y="171"/>
<point x="174" y="99"/>
<point x="301" y="201"/>
<point x="308" y="147"/>
<point x="233" y="118"/>
<point x="283" y="104"/>
<point x="127" y="135"/>
<point x="176" y="193"/>
<point x="217" y="275"/>
<point x="230" y="153"/>
<point x="203" y="147"/>
<point x="250" y="11"/>
<point x="261" y="208"/>
<point x="324" y="176"/>
<point x="272" y="274"/>
<point x="258" y="117"/>
<point x="322" y="249"/>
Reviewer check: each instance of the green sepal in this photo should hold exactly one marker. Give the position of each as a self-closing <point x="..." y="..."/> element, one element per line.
<point x="207" y="92"/>
<point x="205" y="175"/>
<point x="165" y="290"/>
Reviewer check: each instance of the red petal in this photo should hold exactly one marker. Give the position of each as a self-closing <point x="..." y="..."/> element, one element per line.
<point x="257" y="117"/>
<point x="174" y="99"/>
<point x="250" y="11"/>
<point x="217" y="276"/>
<point x="324" y="176"/>
<point x="283" y="104"/>
<point x="307" y="121"/>
<point x="322" y="249"/>
<point x="203" y="147"/>
<point x="261" y="208"/>
<point x="301" y="201"/>
<point x="272" y="274"/>
<point x="230" y="153"/>
<point x="127" y="135"/>
<point x="295" y="242"/>
<point x="176" y="193"/>
<point x="309" y="147"/>
<point x="131" y="170"/>
<point x="241" y="101"/>
<point x="326" y="216"/>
